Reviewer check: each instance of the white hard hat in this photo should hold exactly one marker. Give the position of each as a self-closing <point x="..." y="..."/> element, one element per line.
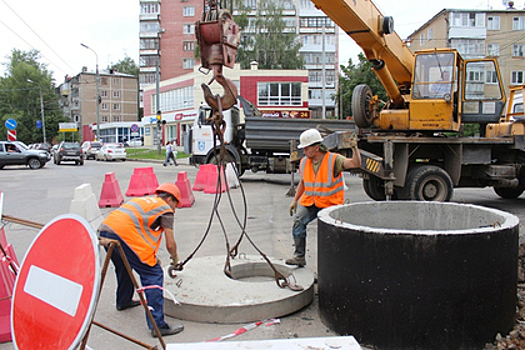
<point x="309" y="137"/>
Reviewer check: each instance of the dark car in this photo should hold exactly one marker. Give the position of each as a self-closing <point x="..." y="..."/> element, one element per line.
<point x="69" y="152"/>
<point x="13" y="153"/>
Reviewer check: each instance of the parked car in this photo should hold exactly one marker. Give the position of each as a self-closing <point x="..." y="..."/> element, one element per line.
<point x="41" y="146"/>
<point x="91" y="148"/>
<point x="69" y="151"/>
<point x="136" y="142"/>
<point x="112" y="151"/>
<point x="13" y="153"/>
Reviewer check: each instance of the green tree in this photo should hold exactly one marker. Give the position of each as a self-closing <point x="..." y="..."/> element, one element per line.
<point x="267" y="39"/>
<point x="353" y="75"/>
<point x="126" y="66"/>
<point x="24" y="83"/>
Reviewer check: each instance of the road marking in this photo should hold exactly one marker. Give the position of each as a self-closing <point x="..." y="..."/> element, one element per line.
<point x="53" y="289"/>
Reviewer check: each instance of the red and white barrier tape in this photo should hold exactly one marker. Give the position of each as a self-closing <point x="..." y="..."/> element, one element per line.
<point x="244" y="329"/>
<point x="9" y="262"/>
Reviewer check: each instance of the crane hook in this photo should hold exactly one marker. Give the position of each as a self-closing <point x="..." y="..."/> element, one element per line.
<point x="227" y="100"/>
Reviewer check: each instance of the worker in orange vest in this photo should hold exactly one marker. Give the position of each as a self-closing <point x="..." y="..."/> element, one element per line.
<point x="321" y="186"/>
<point x="138" y="225"/>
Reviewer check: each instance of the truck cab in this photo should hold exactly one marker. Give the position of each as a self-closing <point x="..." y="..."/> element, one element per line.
<point x="202" y="144"/>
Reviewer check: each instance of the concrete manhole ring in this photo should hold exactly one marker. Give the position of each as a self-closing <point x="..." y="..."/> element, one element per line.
<point x="206" y="294"/>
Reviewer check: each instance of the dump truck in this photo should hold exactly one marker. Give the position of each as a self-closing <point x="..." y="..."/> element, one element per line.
<point x="412" y="147"/>
<point x="253" y="142"/>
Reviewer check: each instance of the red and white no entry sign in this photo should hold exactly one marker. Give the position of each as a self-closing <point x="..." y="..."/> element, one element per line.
<point x="57" y="287"/>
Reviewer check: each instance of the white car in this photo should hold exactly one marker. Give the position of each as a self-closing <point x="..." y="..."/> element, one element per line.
<point x="111" y="151"/>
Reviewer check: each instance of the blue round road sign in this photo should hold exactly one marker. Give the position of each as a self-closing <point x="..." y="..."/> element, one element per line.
<point x="10" y="124"/>
<point x="134" y="128"/>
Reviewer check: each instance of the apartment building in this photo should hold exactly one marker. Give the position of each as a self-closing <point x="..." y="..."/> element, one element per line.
<point x="478" y="34"/>
<point x="167" y="40"/>
<point x="118" y="99"/>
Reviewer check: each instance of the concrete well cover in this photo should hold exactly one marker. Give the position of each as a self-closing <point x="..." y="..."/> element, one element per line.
<point x="206" y="294"/>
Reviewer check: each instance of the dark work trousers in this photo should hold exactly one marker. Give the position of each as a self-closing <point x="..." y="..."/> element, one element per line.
<point x="149" y="276"/>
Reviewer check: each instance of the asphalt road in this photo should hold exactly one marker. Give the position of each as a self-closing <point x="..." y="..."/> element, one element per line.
<point x="41" y="195"/>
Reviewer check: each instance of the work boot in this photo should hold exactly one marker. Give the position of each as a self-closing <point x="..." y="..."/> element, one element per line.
<point x="296" y="260"/>
<point x="168" y="330"/>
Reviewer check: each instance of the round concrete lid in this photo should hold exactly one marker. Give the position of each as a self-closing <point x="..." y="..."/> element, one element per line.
<point x="206" y="294"/>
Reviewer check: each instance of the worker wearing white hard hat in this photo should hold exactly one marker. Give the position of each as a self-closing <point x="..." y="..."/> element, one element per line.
<point x="321" y="186"/>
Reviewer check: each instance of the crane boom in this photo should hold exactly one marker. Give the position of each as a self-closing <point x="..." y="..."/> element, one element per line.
<point x="366" y="25"/>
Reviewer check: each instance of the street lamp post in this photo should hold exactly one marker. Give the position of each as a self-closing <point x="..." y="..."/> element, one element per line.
<point x="97" y="83"/>
<point x="41" y="110"/>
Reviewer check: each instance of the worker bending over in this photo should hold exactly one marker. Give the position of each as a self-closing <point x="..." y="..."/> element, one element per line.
<point x="138" y="225"/>
<point x="321" y="186"/>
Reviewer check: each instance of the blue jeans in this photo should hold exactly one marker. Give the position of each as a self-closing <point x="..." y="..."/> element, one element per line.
<point x="302" y="218"/>
<point x="149" y="276"/>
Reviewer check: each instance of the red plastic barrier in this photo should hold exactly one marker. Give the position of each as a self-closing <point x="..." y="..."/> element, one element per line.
<point x="213" y="178"/>
<point x="202" y="177"/>
<point x="143" y="182"/>
<point x="183" y="183"/>
<point x="7" y="282"/>
<point x="110" y="196"/>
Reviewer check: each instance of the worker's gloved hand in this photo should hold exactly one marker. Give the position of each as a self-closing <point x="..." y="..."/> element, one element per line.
<point x="293" y="207"/>
<point x="176" y="264"/>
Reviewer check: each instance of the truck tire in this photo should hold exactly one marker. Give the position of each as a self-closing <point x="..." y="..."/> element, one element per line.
<point x="374" y="188"/>
<point x="428" y="183"/>
<point x="361" y="108"/>
<point x="509" y="192"/>
<point x="228" y="158"/>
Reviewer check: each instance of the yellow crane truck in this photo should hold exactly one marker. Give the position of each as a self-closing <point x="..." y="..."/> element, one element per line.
<point x="411" y="146"/>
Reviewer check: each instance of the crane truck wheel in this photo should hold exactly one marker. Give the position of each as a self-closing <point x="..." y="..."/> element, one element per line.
<point x="509" y="192"/>
<point x="374" y="189"/>
<point x="361" y="107"/>
<point x="428" y="183"/>
<point x="228" y="158"/>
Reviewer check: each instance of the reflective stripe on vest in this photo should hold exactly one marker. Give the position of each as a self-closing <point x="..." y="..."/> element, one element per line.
<point x="321" y="189"/>
<point x="132" y="222"/>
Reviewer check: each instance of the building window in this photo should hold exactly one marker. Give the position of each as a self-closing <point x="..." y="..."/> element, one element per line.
<point x="493" y="23"/>
<point x="188" y="45"/>
<point x="104" y="93"/>
<point x="493" y="50"/>
<point x="116" y="118"/>
<point x="188" y="11"/>
<point x="149" y="8"/>
<point x="188" y="63"/>
<point x="518" y="23"/>
<point x="173" y="100"/>
<point x="103" y="81"/>
<point x="148" y="78"/>
<point x="422" y="39"/>
<point x="188" y="29"/>
<point x="279" y="94"/>
<point x="429" y="34"/>
<point x="116" y="81"/>
<point x="116" y="106"/>
<point x="104" y="119"/>
<point x="116" y="94"/>
<point x="517" y="50"/>
<point x="492" y="77"/>
<point x="516" y="77"/>
<point x="104" y="106"/>
<point x="149" y="44"/>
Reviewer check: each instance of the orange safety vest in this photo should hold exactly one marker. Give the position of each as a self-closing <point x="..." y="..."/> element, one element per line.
<point x="132" y="222"/>
<point x="322" y="189"/>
